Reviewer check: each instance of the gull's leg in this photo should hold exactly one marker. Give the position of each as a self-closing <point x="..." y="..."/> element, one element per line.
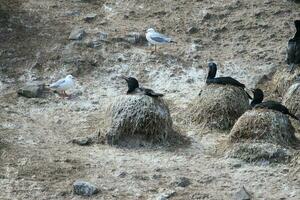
<point x="155" y="48"/>
<point x="66" y="95"/>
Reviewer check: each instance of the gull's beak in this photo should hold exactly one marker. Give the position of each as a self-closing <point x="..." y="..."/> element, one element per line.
<point x="124" y="77"/>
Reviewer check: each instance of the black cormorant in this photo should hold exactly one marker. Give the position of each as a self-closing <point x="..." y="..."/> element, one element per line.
<point x="258" y="97"/>
<point x="133" y="88"/>
<point x="212" y="71"/>
<point x="293" y="49"/>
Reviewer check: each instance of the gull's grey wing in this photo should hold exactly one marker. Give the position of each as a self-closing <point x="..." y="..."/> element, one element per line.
<point x="157" y="37"/>
<point x="57" y="83"/>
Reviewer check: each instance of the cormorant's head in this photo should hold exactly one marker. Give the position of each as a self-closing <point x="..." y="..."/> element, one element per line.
<point x="212" y="70"/>
<point x="132" y="83"/>
<point x="258" y="96"/>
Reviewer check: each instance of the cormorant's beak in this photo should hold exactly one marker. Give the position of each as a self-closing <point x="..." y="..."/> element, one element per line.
<point x="124" y="77"/>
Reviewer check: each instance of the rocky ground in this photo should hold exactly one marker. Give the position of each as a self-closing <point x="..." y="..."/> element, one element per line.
<point x="38" y="158"/>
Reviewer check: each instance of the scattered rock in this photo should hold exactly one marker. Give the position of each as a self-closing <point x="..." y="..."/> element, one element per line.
<point x="182" y="182"/>
<point x="122" y="174"/>
<point x="32" y="90"/>
<point x="77" y="34"/>
<point x="84" y="188"/>
<point x="166" y="195"/>
<point x="83" y="141"/>
<point x="89" y="17"/>
<point x="72" y="13"/>
<point x="242" y="195"/>
<point x="102" y="36"/>
<point x="192" y="30"/>
<point x="136" y="38"/>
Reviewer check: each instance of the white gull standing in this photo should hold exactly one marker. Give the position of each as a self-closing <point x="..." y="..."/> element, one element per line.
<point x="62" y="85"/>
<point x="157" y="38"/>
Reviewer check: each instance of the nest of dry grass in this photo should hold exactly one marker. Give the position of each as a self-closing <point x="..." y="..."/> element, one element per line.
<point x="219" y="106"/>
<point x="260" y="125"/>
<point x="292" y="99"/>
<point x="135" y="119"/>
<point x="283" y="79"/>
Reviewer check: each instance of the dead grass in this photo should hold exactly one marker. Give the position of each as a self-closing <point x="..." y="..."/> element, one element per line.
<point x="135" y="119"/>
<point x="261" y="125"/>
<point x="218" y="106"/>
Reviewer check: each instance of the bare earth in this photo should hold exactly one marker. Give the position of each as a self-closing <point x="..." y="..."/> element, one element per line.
<point x="246" y="38"/>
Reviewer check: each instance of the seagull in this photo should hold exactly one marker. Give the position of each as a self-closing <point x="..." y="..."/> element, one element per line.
<point x="62" y="85"/>
<point x="157" y="38"/>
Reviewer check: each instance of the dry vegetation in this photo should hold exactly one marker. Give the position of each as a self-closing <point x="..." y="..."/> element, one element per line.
<point x="37" y="158"/>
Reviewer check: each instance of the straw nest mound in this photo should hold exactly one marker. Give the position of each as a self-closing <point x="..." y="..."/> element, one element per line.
<point x="283" y="79"/>
<point x="138" y="120"/>
<point x="263" y="135"/>
<point x="219" y="106"/>
<point x="265" y="126"/>
<point x="292" y="99"/>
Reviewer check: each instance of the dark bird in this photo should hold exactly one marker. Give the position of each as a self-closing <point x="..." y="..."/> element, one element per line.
<point x="258" y="97"/>
<point x="293" y="49"/>
<point x="134" y="88"/>
<point x="227" y="80"/>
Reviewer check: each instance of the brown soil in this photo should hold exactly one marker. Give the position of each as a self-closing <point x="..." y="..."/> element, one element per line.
<point x="246" y="38"/>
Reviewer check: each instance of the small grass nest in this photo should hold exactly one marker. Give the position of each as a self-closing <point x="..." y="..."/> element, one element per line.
<point x="219" y="106"/>
<point x="136" y="119"/>
<point x="283" y="79"/>
<point x="262" y="125"/>
<point x="292" y="99"/>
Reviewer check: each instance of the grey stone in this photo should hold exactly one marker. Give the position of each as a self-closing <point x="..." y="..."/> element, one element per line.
<point x="32" y="90"/>
<point x="103" y="36"/>
<point x="90" y="17"/>
<point x="84" y="188"/>
<point x="77" y="34"/>
<point x="83" y="141"/>
<point x="122" y="174"/>
<point x="182" y="182"/>
<point x="166" y="195"/>
<point x="72" y="13"/>
<point x="192" y="30"/>
<point x="242" y="194"/>
<point x="136" y="38"/>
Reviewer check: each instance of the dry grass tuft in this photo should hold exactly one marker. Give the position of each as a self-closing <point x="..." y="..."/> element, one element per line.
<point x="292" y="99"/>
<point x="219" y="106"/>
<point x="262" y="125"/>
<point x="138" y="120"/>
<point x="283" y="79"/>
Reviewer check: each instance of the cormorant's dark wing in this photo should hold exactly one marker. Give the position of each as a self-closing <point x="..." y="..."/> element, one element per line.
<point x="151" y="93"/>
<point x="274" y="105"/>
<point x="293" y="51"/>
<point x="225" y="81"/>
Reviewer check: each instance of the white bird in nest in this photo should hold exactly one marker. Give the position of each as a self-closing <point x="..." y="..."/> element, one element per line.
<point x="62" y="85"/>
<point x="156" y="38"/>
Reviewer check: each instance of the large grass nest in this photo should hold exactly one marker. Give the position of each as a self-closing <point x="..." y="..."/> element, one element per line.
<point x="292" y="99"/>
<point x="219" y="106"/>
<point x="262" y="125"/>
<point x="139" y="120"/>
